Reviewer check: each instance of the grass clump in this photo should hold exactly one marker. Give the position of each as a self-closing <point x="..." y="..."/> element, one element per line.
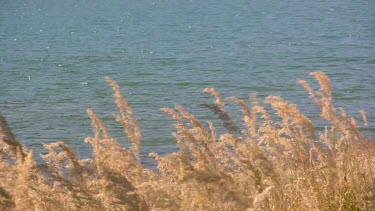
<point x="279" y="163"/>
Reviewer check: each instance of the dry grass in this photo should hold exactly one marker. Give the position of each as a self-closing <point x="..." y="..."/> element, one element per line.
<point x="282" y="164"/>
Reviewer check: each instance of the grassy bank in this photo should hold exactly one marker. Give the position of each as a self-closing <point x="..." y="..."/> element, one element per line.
<point x="273" y="164"/>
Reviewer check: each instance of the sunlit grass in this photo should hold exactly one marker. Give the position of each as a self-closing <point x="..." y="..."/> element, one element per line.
<point x="273" y="164"/>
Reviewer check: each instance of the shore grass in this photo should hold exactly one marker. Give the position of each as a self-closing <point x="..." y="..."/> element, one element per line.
<point x="278" y="163"/>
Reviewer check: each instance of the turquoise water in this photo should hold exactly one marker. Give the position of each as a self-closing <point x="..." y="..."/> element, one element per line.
<point x="54" y="56"/>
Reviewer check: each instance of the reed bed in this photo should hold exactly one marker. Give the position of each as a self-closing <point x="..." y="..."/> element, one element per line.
<point x="273" y="163"/>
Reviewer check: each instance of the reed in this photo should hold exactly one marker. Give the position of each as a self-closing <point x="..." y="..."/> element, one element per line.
<point x="268" y="163"/>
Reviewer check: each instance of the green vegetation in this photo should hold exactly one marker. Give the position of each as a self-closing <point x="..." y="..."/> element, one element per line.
<point x="281" y="164"/>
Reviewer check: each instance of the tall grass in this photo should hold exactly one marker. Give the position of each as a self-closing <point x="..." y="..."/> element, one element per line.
<point x="278" y="163"/>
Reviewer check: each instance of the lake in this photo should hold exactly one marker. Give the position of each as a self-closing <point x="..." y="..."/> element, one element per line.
<point x="54" y="56"/>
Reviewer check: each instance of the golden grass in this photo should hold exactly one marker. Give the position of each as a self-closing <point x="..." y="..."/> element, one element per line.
<point x="282" y="164"/>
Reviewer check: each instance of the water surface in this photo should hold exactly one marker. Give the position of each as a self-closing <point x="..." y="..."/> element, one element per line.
<point x="54" y="56"/>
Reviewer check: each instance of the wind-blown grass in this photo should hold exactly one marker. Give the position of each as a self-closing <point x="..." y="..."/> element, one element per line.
<point x="273" y="164"/>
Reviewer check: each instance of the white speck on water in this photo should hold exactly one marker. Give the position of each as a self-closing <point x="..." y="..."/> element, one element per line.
<point x="15" y="39"/>
<point x="84" y="83"/>
<point x="151" y="52"/>
<point x="59" y="65"/>
<point x="47" y="47"/>
<point x="40" y="30"/>
<point x="29" y="77"/>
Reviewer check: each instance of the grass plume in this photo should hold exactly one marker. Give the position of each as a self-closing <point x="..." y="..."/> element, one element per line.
<point x="271" y="162"/>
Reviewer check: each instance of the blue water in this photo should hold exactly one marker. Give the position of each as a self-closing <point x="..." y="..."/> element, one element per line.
<point x="54" y="56"/>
